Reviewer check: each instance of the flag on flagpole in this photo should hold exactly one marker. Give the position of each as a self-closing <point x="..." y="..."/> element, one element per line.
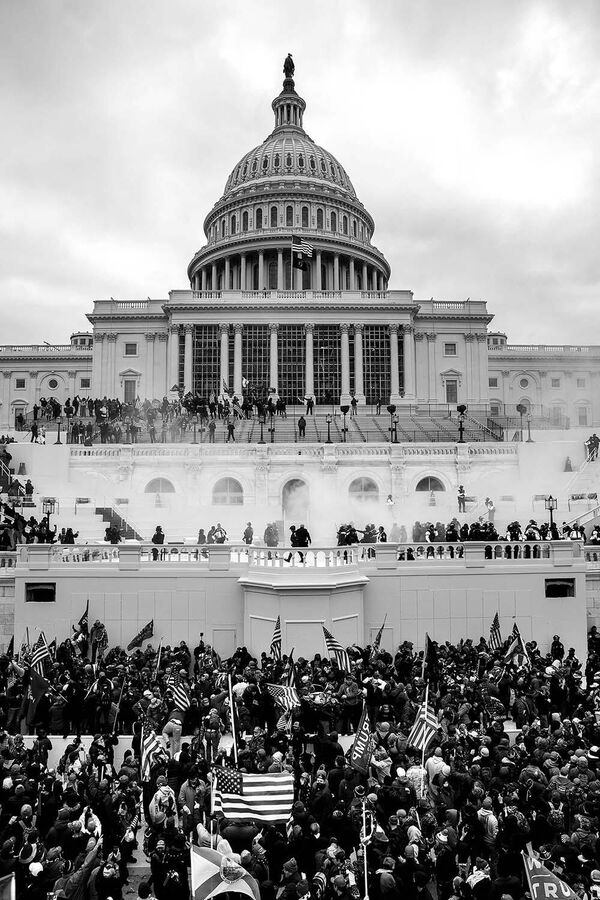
<point x="424" y="728"/>
<point x="335" y="648"/>
<point x="544" y="883"/>
<point x="11" y="647"/>
<point x="233" y="716"/>
<point x="285" y="695"/>
<point x="362" y="748"/>
<point x="267" y="797"/>
<point x="377" y="641"/>
<point x="495" y="636"/>
<point x="151" y="747"/>
<point x="225" y="388"/>
<point x="276" y="642"/>
<point x="143" y="635"/>
<point x="430" y="660"/>
<point x="213" y="873"/>
<point x="301" y="249"/>
<point x="84" y="622"/>
<point x="290" y="675"/>
<point x="40" y="653"/>
<point x="158" y="655"/>
<point x="517" y="652"/>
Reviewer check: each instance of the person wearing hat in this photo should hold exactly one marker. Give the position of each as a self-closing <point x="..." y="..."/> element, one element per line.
<point x="163" y="803"/>
<point x="290" y="878"/>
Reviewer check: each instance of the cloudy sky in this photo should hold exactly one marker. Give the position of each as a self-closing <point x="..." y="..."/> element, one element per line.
<point x="471" y="132"/>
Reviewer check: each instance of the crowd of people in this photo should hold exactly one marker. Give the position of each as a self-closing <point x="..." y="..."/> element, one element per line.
<point x="450" y="821"/>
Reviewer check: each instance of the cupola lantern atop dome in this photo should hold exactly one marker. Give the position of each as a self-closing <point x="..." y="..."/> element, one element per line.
<point x="288" y="106"/>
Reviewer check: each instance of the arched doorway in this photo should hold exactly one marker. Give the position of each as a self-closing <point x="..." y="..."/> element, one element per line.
<point x="430" y="483"/>
<point x="295" y="500"/>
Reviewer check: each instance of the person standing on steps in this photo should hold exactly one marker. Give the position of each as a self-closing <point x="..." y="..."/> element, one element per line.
<point x="158" y="538"/>
<point x="302" y="427"/>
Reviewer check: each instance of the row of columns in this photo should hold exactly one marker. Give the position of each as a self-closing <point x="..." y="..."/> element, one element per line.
<point x="238" y="275"/>
<point x="408" y="346"/>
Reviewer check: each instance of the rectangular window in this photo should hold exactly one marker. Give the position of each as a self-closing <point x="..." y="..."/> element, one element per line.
<point x="555" y="382"/>
<point x="581" y="382"/>
<point x="40" y="592"/>
<point x="494" y="409"/>
<point x="493" y="382"/>
<point x="19" y="384"/>
<point x="206" y="367"/>
<point x="449" y="349"/>
<point x="129" y="390"/>
<point x="377" y="363"/>
<point x="130" y="349"/>
<point x="582" y="416"/>
<point x="85" y="382"/>
<point x="452" y="391"/>
<point x="560" y="587"/>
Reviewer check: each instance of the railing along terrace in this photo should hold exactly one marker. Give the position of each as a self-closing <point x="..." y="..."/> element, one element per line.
<point x="136" y="555"/>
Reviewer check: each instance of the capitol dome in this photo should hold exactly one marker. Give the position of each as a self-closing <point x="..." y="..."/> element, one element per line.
<point x="288" y="186"/>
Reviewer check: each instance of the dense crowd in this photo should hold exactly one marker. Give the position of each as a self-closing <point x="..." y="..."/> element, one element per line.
<point x="456" y="824"/>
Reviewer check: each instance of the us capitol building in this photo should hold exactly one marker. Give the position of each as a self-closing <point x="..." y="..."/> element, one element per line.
<point x="331" y="329"/>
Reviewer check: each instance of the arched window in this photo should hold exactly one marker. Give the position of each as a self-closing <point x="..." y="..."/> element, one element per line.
<point x="159" y="486"/>
<point x="259" y="218"/>
<point x="289" y="215"/>
<point x="429" y="483"/>
<point x="345" y="224"/>
<point x="288" y="160"/>
<point x="228" y="492"/>
<point x="272" y="284"/>
<point x="244" y="221"/>
<point x="323" y="167"/>
<point x="301" y="161"/>
<point x="305" y="216"/>
<point x="223" y="228"/>
<point x="233" y="225"/>
<point x="354" y="227"/>
<point x="277" y="161"/>
<point x="245" y="170"/>
<point x="313" y="164"/>
<point x="333" y="221"/>
<point x="320" y="219"/>
<point x="363" y="489"/>
<point x="273" y="217"/>
<point x="265" y="163"/>
<point x="254" y="165"/>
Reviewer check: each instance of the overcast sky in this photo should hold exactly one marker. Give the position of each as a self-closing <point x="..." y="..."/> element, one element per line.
<point x="470" y="130"/>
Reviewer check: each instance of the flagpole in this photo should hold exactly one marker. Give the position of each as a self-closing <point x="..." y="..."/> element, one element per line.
<point x="424" y="744"/>
<point x="118" y="708"/>
<point x="158" y="659"/>
<point x="366" y="871"/>
<point x="232" y="714"/>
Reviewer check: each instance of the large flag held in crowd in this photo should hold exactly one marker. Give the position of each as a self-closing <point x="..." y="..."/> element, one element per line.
<point x="84" y="623"/>
<point x="290" y="675"/>
<point x="276" y="642"/>
<point x="285" y="695"/>
<point x="377" y="641"/>
<point x="40" y="653"/>
<point x="430" y="659"/>
<point x="517" y="652"/>
<point x="266" y="797"/>
<point x="335" y="649"/>
<point x="426" y="725"/>
<point x="181" y="698"/>
<point x="495" y="642"/>
<point x="151" y="747"/>
<point x="143" y="635"/>
<point x="544" y="884"/>
<point x="362" y="748"/>
<point x="214" y="873"/>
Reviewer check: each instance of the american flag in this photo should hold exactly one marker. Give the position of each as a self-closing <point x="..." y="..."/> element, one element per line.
<point x="299" y="245"/>
<point x="495" y="636"/>
<point x="517" y="652"/>
<point x="290" y="675"/>
<point x="286" y="696"/>
<point x="264" y="798"/>
<point x="377" y="641"/>
<point x="276" y="642"/>
<point x="40" y="653"/>
<point x="335" y="648"/>
<point x="426" y="725"/>
<point x="181" y="697"/>
<point x="151" y="748"/>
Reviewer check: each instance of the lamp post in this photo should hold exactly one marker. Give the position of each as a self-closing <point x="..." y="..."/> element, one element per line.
<point x="271" y="428"/>
<point x="328" y="420"/>
<point x="529" y="438"/>
<point x="344" y="412"/>
<point x="551" y="503"/>
<point x="261" y="420"/>
<point x="391" y="409"/>
<point x="194" y="423"/>
<point x="395" y="421"/>
<point x="48" y="507"/>
<point x="461" y="422"/>
<point x="59" y="423"/>
<point x="521" y="409"/>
